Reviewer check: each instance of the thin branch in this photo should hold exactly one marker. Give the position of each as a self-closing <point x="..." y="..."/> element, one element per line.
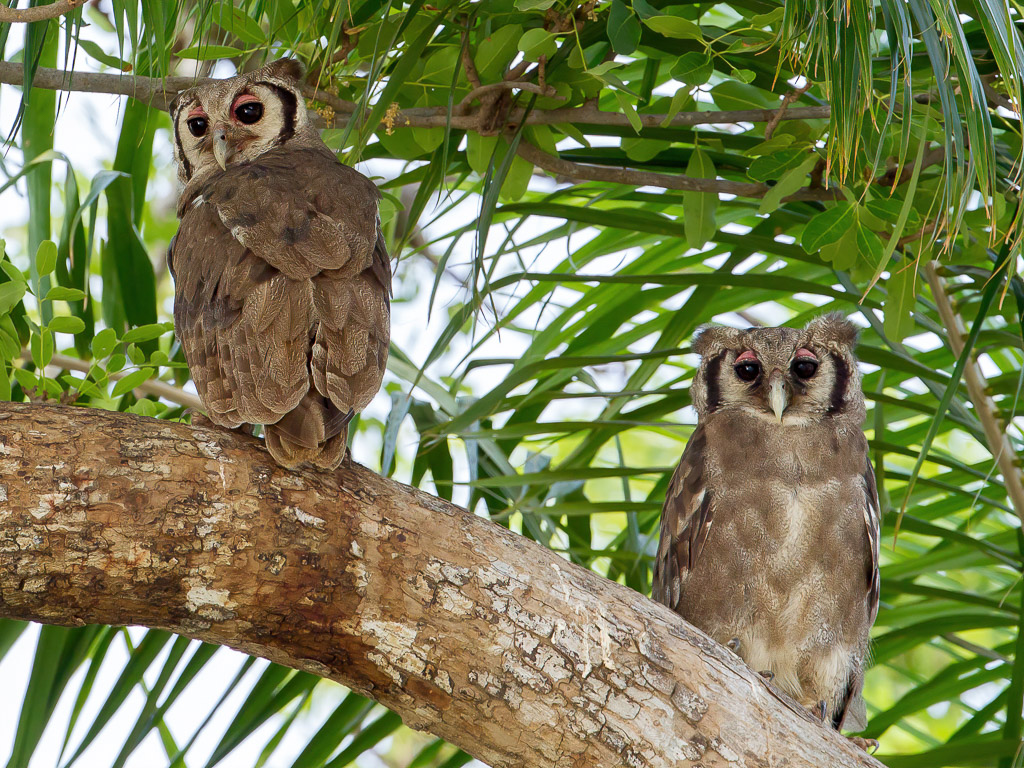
<point x="998" y="443"/>
<point x="38" y="13"/>
<point x="788" y="99"/>
<point x="581" y="172"/>
<point x="160" y="92"/>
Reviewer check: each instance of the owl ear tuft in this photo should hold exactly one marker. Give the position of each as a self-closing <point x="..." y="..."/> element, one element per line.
<point x="709" y="340"/>
<point x="286" y="69"/>
<point x="834" y="330"/>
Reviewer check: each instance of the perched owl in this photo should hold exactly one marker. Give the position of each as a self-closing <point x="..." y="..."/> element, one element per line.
<point x="769" y="534"/>
<point x="282" y="279"/>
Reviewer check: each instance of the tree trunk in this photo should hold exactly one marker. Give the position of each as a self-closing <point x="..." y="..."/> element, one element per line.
<point x="463" y="628"/>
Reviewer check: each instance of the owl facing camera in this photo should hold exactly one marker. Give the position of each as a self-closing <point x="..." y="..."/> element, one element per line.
<point x="770" y="529"/>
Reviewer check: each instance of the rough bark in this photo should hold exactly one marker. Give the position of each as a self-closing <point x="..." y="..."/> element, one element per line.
<point x="462" y="627"/>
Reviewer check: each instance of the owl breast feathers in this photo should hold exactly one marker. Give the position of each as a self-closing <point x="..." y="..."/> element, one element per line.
<point x="282" y="278"/>
<point x="769" y="533"/>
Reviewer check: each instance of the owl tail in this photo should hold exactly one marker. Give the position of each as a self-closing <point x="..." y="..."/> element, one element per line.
<point x="315" y="432"/>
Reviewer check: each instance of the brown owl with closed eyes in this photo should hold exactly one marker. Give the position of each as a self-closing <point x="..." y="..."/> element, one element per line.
<point x="282" y="278"/>
<point x="770" y="529"/>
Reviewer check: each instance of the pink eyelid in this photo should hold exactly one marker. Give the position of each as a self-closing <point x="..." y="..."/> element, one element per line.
<point x="804" y="352"/>
<point x="748" y="355"/>
<point x="245" y="98"/>
<point x="196" y="112"/>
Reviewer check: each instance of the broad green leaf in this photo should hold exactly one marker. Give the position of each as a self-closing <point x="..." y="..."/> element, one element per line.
<point x="828" y="226"/>
<point x="103" y="343"/>
<point x="46" y="258"/>
<point x="131" y="381"/>
<point x="693" y="68"/>
<point x="699" y="207"/>
<point x="623" y="28"/>
<point x="65" y="324"/>
<point x="60" y="293"/>
<point x="674" y="26"/>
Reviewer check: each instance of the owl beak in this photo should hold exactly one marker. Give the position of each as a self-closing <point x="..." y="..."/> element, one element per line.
<point x="778" y="398"/>
<point x="221" y="151"/>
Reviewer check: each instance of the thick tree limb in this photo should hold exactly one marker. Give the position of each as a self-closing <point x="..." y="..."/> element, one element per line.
<point x="38" y="13"/>
<point x="462" y="627"/>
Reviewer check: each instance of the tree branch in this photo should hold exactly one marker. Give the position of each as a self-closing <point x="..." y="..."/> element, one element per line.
<point x="462" y="627"/>
<point x="38" y="13"/>
<point x="998" y="443"/>
<point x="160" y="92"/>
<point x="581" y="172"/>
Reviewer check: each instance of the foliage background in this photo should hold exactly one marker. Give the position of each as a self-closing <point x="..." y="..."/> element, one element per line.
<point x="540" y="371"/>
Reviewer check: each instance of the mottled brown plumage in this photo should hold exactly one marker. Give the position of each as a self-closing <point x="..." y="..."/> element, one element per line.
<point x="282" y="278"/>
<point x="769" y="533"/>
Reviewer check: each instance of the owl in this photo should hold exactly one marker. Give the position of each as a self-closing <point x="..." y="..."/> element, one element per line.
<point x="282" y="280"/>
<point x="770" y="529"/>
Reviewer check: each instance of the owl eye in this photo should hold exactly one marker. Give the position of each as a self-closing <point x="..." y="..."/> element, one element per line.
<point x="747" y="371"/>
<point x="197" y="126"/>
<point x="804" y="369"/>
<point x="249" y="113"/>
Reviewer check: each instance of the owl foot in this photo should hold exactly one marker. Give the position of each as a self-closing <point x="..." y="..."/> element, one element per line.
<point x="868" y="745"/>
<point x="767" y="674"/>
<point x="819" y="710"/>
<point x="734" y="645"/>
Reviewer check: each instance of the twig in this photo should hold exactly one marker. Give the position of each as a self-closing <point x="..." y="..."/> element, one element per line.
<point x="38" y="13"/>
<point x="151" y="387"/>
<point x="891" y="179"/>
<point x="788" y="99"/>
<point x="998" y="443"/>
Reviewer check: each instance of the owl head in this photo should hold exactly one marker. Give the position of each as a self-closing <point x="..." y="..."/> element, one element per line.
<point x="789" y="376"/>
<point x="238" y="119"/>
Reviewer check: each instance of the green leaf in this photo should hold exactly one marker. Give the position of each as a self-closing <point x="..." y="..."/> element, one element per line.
<point x="537" y="42"/>
<point x="828" y="226"/>
<point x="533" y="5"/>
<point x="693" y="68"/>
<point x="64" y="324"/>
<point x="210" y="52"/>
<point x="103" y="343"/>
<point x="60" y="293"/>
<point x="46" y="258"/>
<point x="102" y="56"/>
<point x="773" y="166"/>
<point x="792" y="181"/>
<point x="239" y="23"/>
<point x="131" y="381"/>
<point x="145" y="333"/>
<point x="699" y="207"/>
<point x="623" y="28"/>
<point x="674" y="27"/>
<point x="899" y="322"/>
<point x="10" y="294"/>
<point x="41" y="347"/>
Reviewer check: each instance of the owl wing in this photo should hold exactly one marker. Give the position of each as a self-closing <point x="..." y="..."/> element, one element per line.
<point x="302" y="212"/>
<point x="852" y="714"/>
<point x="685" y="522"/>
<point x="244" y="326"/>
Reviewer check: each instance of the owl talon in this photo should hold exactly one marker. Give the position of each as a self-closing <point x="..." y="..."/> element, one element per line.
<point x="868" y="745"/>
<point x="767" y="674"/>
<point x="734" y="645"/>
<point x="819" y="710"/>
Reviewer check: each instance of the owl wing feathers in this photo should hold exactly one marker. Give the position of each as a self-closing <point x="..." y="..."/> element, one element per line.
<point x="685" y="523"/>
<point x="282" y="302"/>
